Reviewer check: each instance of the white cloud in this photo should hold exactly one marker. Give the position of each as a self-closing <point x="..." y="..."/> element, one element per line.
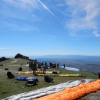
<point x="18" y="26"/>
<point x="30" y="5"/>
<point x="27" y="4"/>
<point x="84" y="14"/>
<point x="17" y="9"/>
<point x="96" y="33"/>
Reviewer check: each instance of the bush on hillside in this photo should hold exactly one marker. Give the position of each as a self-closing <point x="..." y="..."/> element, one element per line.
<point x="3" y="59"/>
<point x="21" y="56"/>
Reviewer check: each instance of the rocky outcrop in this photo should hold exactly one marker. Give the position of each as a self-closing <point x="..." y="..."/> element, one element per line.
<point x="21" y="56"/>
<point x="3" y="59"/>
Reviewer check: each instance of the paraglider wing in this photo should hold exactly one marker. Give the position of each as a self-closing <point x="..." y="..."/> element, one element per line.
<point x="73" y="69"/>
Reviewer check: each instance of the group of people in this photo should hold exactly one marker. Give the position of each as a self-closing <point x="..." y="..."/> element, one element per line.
<point x="42" y="66"/>
<point x="34" y="65"/>
<point x="54" y="65"/>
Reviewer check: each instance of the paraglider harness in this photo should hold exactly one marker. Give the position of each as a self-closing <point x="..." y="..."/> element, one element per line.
<point x="20" y="69"/>
<point x="48" y="79"/>
<point x="54" y="72"/>
<point x="31" y="82"/>
<point x="10" y="75"/>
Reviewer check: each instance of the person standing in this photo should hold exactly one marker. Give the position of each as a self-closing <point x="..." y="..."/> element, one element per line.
<point x="50" y="64"/>
<point x="64" y="65"/>
<point x="40" y="66"/>
<point x="46" y="65"/>
<point x="44" y="68"/>
<point x="30" y="66"/>
<point x="57" y="65"/>
<point x="33" y="67"/>
<point x="99" y="74"/>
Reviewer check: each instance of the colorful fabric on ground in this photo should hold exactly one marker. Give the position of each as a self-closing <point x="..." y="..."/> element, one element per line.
<point x="46" y="91"/>
<point x="73" y="93"/>
<point x="38" y="72"/>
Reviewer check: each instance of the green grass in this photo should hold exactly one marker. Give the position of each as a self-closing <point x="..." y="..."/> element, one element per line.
<point x="10" y="87"/>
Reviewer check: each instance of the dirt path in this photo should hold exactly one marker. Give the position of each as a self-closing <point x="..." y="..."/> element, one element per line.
<point x="15" y="60"/>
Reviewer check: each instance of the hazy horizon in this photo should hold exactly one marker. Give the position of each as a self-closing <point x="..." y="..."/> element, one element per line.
<point x="57" y="56"/>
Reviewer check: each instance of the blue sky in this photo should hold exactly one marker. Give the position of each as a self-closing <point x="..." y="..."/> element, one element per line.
<point x="49" y="27"/>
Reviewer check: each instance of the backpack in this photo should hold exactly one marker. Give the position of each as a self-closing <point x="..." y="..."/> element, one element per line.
<point x="20" y="69"/>
<point x="48" y="78"/>
<point x="10" y="75"/>
<point x="54" y="72"/>
<point x="6" y="69"/>
<point x="30" y="82"/>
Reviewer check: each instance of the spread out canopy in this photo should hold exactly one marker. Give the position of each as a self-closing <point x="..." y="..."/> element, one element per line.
<point x="70" y="68"/>
<point x="74" y="92"/>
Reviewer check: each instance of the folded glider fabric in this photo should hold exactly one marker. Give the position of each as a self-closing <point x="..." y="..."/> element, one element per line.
<point x="73" y="93"/>
<point x="25" y="78"/>
<point x="38" y="72"/>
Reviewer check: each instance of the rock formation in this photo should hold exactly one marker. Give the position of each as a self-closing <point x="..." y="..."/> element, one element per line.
<point x="21" y="56"/>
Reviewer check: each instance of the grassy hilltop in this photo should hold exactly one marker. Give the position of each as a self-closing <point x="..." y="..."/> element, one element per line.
<point x="10" y="87"/>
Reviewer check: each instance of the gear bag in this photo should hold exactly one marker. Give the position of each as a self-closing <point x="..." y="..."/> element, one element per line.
<point x="48" y="78"/>
<point x="10" y="75"/>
